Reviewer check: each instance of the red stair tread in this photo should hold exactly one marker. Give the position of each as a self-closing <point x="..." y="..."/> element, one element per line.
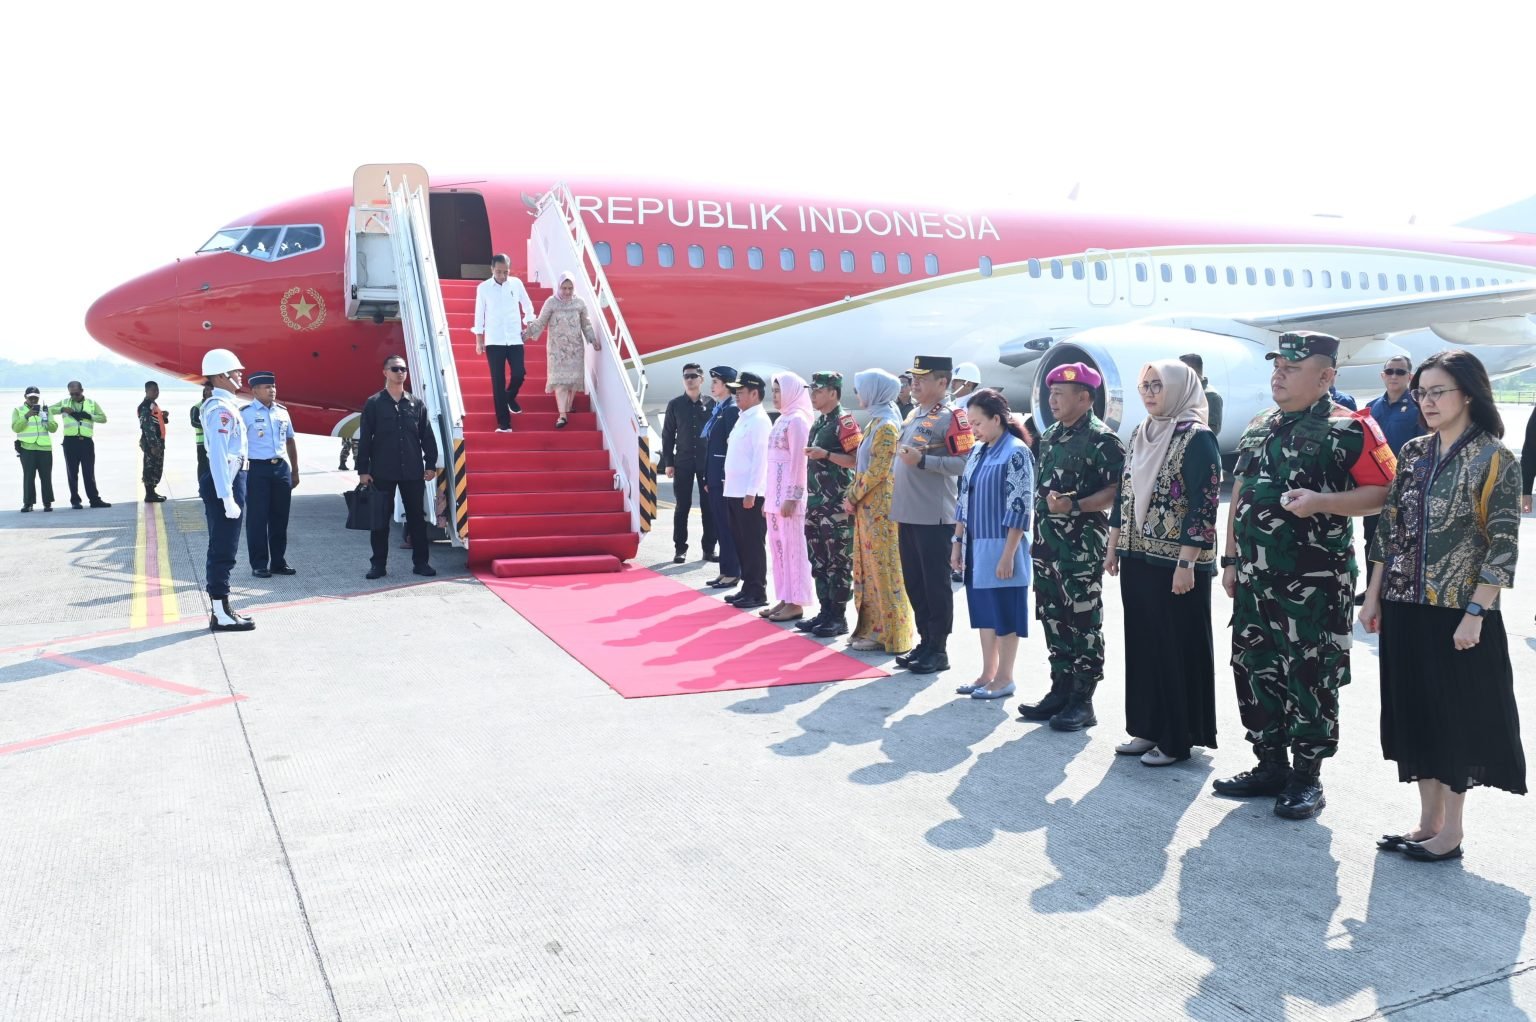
<point x="591" y="564"/>
<point x="591" y="523"/>
<point x="624" y="546"/>
<point x="545" y="503"/>
<point x="593" y="480"/>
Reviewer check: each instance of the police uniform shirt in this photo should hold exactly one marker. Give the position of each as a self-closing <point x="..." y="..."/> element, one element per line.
<point x="267" y="430"/>
<point x="224" y="432"/>
<point x="926" y="493"/>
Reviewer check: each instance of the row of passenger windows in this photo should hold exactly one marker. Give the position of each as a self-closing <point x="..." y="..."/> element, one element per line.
<point x="725" y="259"/>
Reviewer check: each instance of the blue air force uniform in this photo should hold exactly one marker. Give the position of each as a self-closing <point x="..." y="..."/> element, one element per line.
<point x="224" y="434"/>
<point x="269" y="488"/>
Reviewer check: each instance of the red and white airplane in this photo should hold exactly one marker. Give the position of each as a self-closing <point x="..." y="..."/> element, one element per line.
<point x="767" y="281"/>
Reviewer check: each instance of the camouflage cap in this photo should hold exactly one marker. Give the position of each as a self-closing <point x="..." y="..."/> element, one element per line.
<point x="1296" y="345"/>
<point x="827" y="378"/>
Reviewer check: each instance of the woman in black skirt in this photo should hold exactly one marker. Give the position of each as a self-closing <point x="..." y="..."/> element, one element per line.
<point x="1162" y="544"/>
<point x="1445" y="546"/>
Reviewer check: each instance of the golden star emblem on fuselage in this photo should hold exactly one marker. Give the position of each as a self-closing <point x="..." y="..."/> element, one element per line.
<point x="308" y="308"/>
<point x="302" y="309"/>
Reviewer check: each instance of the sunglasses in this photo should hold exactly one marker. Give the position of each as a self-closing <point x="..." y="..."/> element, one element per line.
<point x="693" y="376"/>
<point x="1394" y="372"/>
<point x="398" y="369"/>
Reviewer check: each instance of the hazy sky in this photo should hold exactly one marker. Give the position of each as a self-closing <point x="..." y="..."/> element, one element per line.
<point x="136" y="130"/>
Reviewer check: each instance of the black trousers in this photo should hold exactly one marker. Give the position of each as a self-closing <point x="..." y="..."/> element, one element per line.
<point x="414" y="493"/>
<point x="80" y="458"/>
<point x="683" y="476"/>
<point x="1370" y="534"/>
<point x="925" y="571"/>
<point x="268" y="499"/>
<point x="36" y="466"/>
<point x="223" y="533"/>
<point x="750" y="530"/>
<point x="501" y="358"/>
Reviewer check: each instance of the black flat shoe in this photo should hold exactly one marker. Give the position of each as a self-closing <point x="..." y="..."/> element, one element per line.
<point x="1392" y="843"/>
<point x="1413" y="850"/>
<point x="678" y="558"/>
<point x="375" y="573"/>
<point x="426" y="570"/>
<point x="560" y="422"/>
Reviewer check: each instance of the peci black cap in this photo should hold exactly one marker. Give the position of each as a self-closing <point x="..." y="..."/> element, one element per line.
<point x="750" y="380"/>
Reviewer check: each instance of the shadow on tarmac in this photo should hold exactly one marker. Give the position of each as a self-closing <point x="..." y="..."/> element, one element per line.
<point x="106" y="655"/>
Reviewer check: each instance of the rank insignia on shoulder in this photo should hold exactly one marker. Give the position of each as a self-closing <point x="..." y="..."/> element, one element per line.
<point x="849" y="435"/>
<point x="959" y="439"/>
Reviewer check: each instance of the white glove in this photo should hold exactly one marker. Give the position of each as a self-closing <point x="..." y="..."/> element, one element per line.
<point x="231" y="509"/>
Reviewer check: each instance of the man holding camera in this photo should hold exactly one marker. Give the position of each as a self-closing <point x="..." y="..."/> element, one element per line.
<point x="80" y="416"/>
<point x="32" y="423"/>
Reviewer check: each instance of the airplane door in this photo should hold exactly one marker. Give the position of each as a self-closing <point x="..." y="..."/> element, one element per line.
<point x="1140" y="277"/>
<point x="1100" y="271"/>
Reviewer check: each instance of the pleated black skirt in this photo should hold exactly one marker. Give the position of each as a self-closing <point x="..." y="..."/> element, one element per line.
<point x="1448" y="714"/>
<point x="1170" y="664"/>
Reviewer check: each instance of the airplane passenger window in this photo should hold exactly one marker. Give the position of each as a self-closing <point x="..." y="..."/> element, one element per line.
<point x="725" y="256"/>
<point x="931" y="264"/>
<point x="634" y="254"/>
<point x="696" y="256"/>
<point x="1402" y="282"/>
<point x="1166" y="270"/>
<point x="818" y="261"/>
<point x="1077" y="269"/>
<point x="903" y="263"/>
<point x="1288" y="277"/>
<point x="1479" y="281"/>
<point x="786" y="259"/>
<point x="1381" y="282"/>
<point x="224" y="240"/>
<point x="986" y="267"/>
<point x="1344" y="280"/>
<point x="665" y="256"/>
<point x="1418" y="283"/>
<point x="1269" y="276"/>
<point x="1101" y="270"/>
<point x="877" y="262"/>
<point x="1306" y="278"/>
<point x="604" y="252"/>
<point x="298" y="239"/>
<point x="1210" y="274"/>
<point x="847" y="261"/>
<point x="1251" y="275"/>
<point x="1231" y="274"/>
<point x="1434" y="283"/>
<point x="1365" y="281"/>
<point x="259" y="243"/>
<point x="1325" y="279"/>
<point x="1465" y="282"/>
<point x="1141" y="273"/>
<point x="1056" y="269"/>
<point x="1189" y="273"/>
<point x="754" y="258"/>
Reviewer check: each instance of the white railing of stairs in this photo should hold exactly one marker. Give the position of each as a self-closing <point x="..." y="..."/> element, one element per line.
<point x="615" y="377"/>
<point x="429" y="348"/>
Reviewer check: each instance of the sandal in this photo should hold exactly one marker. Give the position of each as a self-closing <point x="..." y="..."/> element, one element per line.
<point x="865" y="645"/>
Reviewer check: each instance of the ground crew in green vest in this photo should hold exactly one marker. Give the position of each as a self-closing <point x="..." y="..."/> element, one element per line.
<point x="152" y="441"/>
<point x="832" y="448"/>
<point x="1081" y="460"/>
<point x="1303" y="471"/>
<point x="197" y="432"/>
<point x="32" y="423"/>
<point x="80" y="416"/>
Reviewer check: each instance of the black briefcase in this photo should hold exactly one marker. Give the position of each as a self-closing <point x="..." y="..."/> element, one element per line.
<point x="366" y="509"/>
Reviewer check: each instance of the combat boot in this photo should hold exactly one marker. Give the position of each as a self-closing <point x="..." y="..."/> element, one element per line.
<point x="836" y="623"/>
<point x="1054" y="702"/>
<point x="1302" y="798"/>
<point x="812" y="624"/>
<point x="1269" y="778"/>
<point x="1075" y="716"/>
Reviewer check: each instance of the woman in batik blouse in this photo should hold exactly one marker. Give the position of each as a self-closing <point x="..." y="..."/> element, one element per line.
<point x="1162" y="544"/>
<point x="1445" y="547"/>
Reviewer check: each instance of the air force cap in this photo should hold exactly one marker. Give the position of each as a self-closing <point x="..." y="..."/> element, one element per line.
<point x="1079" y="373"/>
<point x="751" y="381"/>
<point x="1299" y="344"/>
<point x="725" y="374"/>
<point x="261" y="379"/>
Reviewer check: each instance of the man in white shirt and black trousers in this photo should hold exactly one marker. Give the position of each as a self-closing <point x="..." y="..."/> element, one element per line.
<point x="502" y="307"/>
<point x="746" y="483"/>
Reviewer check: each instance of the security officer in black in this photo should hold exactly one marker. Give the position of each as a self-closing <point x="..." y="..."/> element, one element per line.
<point x="682" y="458"/>
<point x="397" y="450"/>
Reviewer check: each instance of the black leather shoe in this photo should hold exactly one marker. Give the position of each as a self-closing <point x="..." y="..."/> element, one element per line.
<point x="1045" y="709"/>
<point x="425" y="569"/>
<point x="514" y="407"/>
<point x="1302" y="798"/>
<point x="75" y="505"/>
<point x="934" y="661"/>
<point x="47" y="507"/>
<point x="906" y="660"/>
<point x="1417" y="852"/>
<point x="1269" y="778"/>
<point x="261" y="573"/>
<point x="834" y="625"/>
<point x="725" y="582"/>
<point x="25" y="508"/>
<point x="100" y="503"/>
<point x="375" y="573"/>
<point x="1075" y="716"/>
<point x="283" y="569"/>
<point x="711" y="557"/>
<point x="678" y="558"/>
<point x="750" y="603"/>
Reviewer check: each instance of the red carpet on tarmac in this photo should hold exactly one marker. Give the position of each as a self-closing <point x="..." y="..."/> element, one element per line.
<point x="647" y="635"/>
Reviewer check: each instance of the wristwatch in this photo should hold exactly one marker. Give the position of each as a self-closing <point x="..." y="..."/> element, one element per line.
<point x="1229" y="562"/>
<point x="1474" y="609"/>
<point x="954" y="539"/>
<point x="1186" y="564"/>
<point x="1077" y="508"/>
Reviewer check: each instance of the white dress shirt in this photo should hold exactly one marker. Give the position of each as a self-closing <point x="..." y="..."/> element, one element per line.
<point x="746" y="455"/>
<point x="501" y="309"/>
<point x="224" y="438"/>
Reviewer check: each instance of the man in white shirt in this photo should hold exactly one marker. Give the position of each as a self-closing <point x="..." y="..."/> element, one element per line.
<point x="502" y="307"/>
<point x="746" y="481"/>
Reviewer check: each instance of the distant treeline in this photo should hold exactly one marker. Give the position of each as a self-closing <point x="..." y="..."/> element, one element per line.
<point x="53" y="374"/>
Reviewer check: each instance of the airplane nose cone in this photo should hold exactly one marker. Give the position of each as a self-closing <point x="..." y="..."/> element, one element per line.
<point x="139" y="320"/>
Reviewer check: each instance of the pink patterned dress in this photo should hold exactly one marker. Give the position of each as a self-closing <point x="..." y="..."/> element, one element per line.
<point x="787" y="466"/>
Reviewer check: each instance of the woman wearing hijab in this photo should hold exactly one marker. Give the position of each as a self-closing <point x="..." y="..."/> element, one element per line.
<point x="991" y="543"/>
<point x="569" y="325"/>
<point x="784" y="505"/>
<point x="879" y="591"/>
<point x="1162" y="544"/>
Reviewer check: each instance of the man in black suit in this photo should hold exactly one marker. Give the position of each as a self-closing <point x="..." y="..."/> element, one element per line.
<point x="397" y="450"/>
<point x="682" y="458"/>
<point x="714" y="436"/>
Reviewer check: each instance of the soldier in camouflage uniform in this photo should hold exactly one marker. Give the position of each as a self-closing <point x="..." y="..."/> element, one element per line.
<point x="831" y="448"/>
<point x="152" y="441"/>
<point x="1303" y="471"/>
<point x="1079" y="472"/>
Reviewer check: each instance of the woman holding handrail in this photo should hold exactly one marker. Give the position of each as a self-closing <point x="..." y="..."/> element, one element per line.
<point x="569" y="323"/>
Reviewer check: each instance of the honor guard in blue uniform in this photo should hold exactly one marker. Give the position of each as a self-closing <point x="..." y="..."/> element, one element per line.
<point x="274" y="472"/>
<point x="222" y="487"/>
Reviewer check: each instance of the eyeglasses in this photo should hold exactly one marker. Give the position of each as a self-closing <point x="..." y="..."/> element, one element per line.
<point x="1431" y="396"/>
<point x="398" y="369"/>
<point x="1394" y="372"/>
<point x="1155" y="387"/>
<point x="693" y="376"/>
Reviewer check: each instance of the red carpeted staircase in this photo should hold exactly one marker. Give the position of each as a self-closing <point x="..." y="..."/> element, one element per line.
<point x="542" y="501"/>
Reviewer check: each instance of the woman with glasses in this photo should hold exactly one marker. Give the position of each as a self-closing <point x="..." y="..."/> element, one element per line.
<point x="1162" y="545"/>
<point x="568" y="322"/>
<point x="1445" y="547"/>
<point x="991" y="542"/>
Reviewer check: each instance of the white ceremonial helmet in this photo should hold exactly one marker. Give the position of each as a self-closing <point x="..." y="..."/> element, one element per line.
<point x="220" y="360"/>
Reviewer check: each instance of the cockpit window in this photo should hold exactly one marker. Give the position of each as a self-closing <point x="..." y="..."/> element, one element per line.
<point x="267" y="243"/>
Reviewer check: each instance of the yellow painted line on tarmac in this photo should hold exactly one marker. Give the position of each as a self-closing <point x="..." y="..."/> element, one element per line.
<point x="138" y="616"/>
<point x="170" y="609"/>
<point x="154" y="591"/>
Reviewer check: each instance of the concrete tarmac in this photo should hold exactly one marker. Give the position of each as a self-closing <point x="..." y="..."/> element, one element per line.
<point x="400" y="801"/>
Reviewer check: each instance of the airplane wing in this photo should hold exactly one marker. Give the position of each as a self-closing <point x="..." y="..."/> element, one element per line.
<point x="1396" y="314"/>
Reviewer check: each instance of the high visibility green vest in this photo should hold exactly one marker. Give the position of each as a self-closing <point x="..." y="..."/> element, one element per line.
<point x="73" y="426"/>
<point x="197" y="424"/>
<point x="33" y="430"/>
